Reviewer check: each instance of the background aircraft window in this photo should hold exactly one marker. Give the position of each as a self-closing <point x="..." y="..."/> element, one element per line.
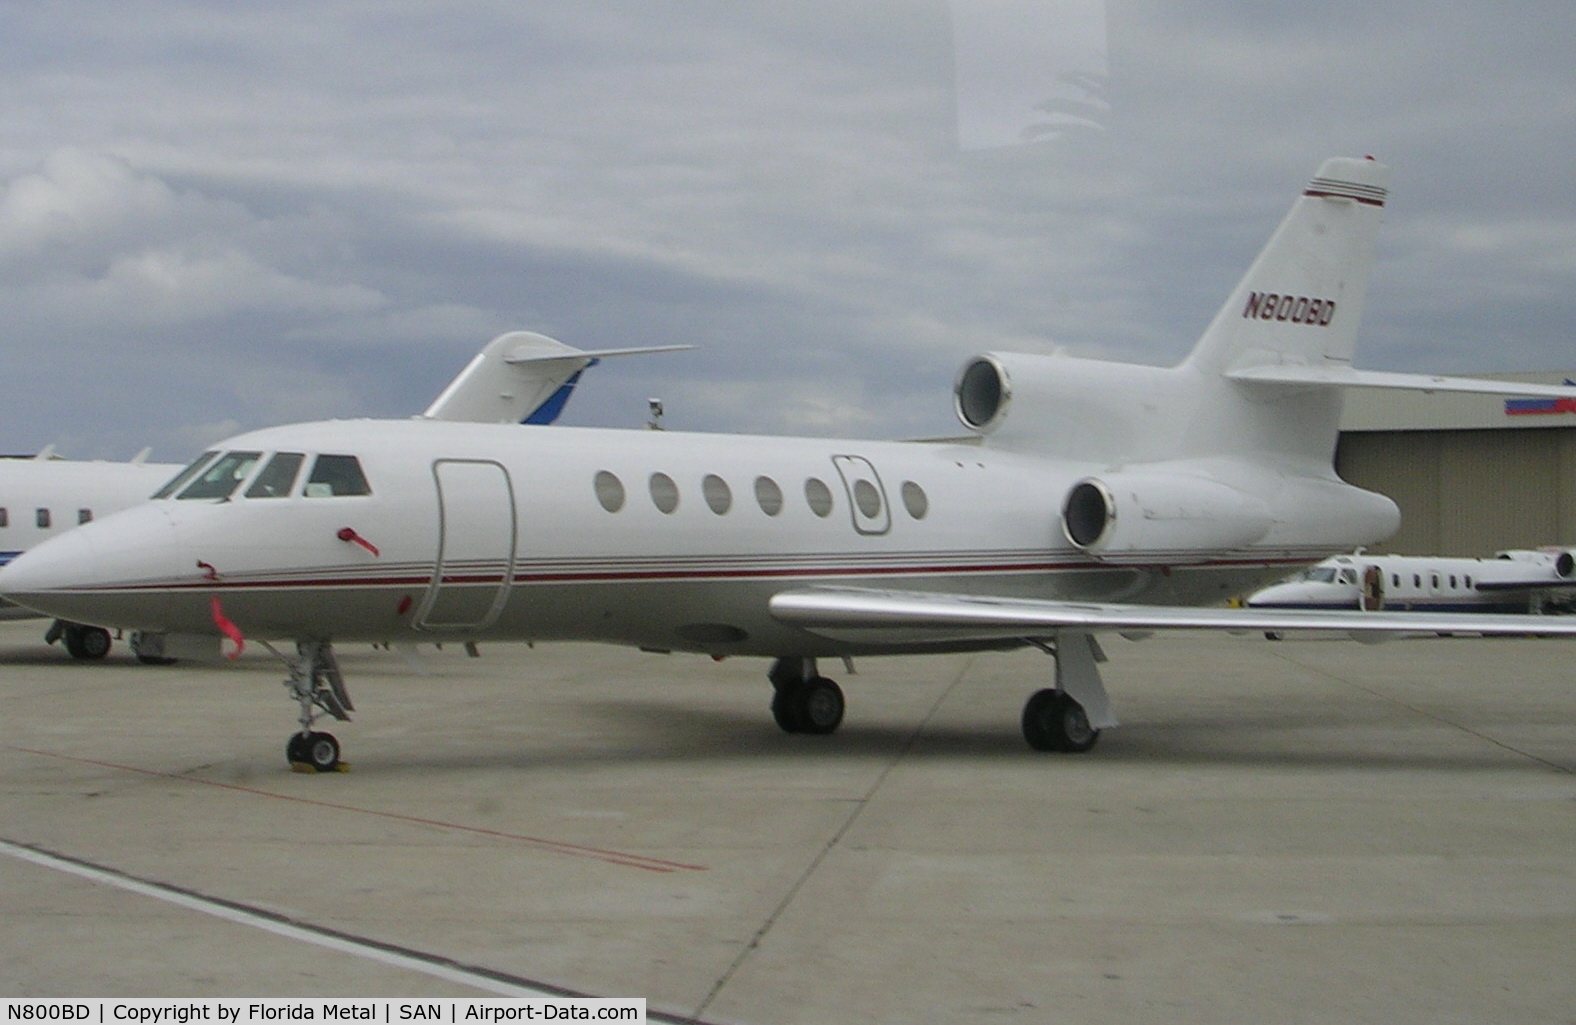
<point x="609" y="490"/>
<point x="819" y="496"/>
<point x="1417" y="581"/>
<point x="41" y="517"/>
<point x="664" y="493"/>
<point x="84" y="516"/>
<point x="1467" y="581"/>
<point x="1395" y="580"/>
<point x="180" y="479"/>
<point x="1433" y="581"/>
<point x="1452" y="581"/>
<point x="717" y="493"/>
<point x="768" y="496"/>
<point x="336" y="476"/>
<point x="277" y="476"/>
<point x="221" y="477"/>
<point x="5" y="518"/>
<point x="914" y="500"/>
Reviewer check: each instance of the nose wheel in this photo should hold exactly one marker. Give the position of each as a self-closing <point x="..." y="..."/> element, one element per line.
<point x="313" y="751"/>
<point x="318" y="687"/>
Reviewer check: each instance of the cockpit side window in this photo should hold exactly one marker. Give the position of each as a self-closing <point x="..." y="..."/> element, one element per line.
<point x="180" y="479"/>
<point x="336" y="476"/>
<point x="277" y="476"/>
<point x="222" y="477"/>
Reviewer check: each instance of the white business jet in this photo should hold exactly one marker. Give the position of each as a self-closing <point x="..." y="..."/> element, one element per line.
<point x="518" y="377"/>
<point x="1517" y="580"/>
<point x="1098" y="497"/>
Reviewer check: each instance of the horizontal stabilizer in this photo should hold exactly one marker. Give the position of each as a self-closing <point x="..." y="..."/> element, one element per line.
<point x="526" y="356"/>
<point x="872" y="616"/>
<point x="1347" y="377"/>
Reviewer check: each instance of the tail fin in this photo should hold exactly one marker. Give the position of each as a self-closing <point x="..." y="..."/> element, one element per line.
<point x="1302" y="299"/>
<point x="521" y="377"/>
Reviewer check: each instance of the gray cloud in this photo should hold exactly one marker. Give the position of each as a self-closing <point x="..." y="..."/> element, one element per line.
<point x="228" y="216"/>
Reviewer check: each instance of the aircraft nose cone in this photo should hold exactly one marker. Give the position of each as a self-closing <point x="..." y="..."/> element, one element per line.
<point x="39" y="573"/>
<point x="83" y="574"/>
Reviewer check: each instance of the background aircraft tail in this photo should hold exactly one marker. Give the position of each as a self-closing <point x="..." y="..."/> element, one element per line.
<point x="521" y="377"/>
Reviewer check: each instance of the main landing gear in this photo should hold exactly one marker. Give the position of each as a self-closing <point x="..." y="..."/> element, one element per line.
<point x="803" y="700"/>
<point x="317" y="684"/>
<point x="1070" y="716"/>
<point x="85" y="643"/>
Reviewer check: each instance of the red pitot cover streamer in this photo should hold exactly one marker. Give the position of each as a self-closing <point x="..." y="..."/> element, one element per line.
<point x="228" y="628"/>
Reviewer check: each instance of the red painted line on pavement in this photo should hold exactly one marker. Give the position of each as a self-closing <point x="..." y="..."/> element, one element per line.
<point x="557" y="846"/>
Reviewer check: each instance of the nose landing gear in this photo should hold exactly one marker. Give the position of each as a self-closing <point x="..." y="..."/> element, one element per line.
<point x="317" y="684"/>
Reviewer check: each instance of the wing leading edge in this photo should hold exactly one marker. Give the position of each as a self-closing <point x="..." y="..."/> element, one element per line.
<point x="901" y="617"/>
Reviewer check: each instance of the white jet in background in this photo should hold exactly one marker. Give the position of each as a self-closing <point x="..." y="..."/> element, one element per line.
<point x="1514" y="581"/>
<point x="1098" y="496"/>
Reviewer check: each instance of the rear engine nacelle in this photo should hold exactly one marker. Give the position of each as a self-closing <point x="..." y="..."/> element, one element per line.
<point x="1089" y="409"/>
<point x="1145" y="517"/>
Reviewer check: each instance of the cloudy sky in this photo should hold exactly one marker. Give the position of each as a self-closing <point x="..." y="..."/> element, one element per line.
<point x="219" y="216"/>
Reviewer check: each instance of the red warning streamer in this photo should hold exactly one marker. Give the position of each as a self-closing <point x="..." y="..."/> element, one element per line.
<point x="228" y="628"/>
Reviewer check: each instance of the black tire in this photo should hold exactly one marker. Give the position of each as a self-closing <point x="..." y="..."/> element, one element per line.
<point x="819" y="704"/>
<point x="783" y="710"/>
<point x="1052" y="721"/>
<point x="322" y="752"/>
<point x="316" y="751"/>
<point x="88" y="643"/>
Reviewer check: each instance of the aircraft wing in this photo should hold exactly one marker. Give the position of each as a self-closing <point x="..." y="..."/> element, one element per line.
<point x="904" y="617"/>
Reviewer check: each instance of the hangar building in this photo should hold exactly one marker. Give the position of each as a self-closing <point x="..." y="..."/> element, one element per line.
<point x="1472" y="473"/>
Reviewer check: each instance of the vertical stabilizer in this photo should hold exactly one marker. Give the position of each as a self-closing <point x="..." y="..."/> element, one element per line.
<point x="1302" y="300"/>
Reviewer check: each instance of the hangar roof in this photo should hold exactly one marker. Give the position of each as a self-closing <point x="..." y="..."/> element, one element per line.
<point x="1375" y="409"/>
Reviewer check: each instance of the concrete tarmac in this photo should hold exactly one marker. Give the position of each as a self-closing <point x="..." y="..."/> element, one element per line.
<point x="1294" y="832"/>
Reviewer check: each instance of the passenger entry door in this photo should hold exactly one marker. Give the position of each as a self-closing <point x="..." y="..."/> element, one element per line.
<point x="866" y="496"/>
<point x="476" y="539"/>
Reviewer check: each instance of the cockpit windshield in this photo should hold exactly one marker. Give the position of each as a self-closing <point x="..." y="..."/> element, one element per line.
<point x="180" y="479"/>
<point x="336" y="476"/>
<point x="277" y="476"/>
<point x="222" y="477"/>
<point x="1320" y="575"/>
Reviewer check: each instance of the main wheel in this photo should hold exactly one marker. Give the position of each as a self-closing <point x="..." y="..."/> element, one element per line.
<point x="820" y="704"/>
<point x="87" y="642"/>
<point x="810" y="706"/>
<point x="784" y="710"/>
<point x="1053" y="721"/>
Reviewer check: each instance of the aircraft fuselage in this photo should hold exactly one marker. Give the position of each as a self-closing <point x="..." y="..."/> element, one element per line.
<point x="654" y="539"/>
